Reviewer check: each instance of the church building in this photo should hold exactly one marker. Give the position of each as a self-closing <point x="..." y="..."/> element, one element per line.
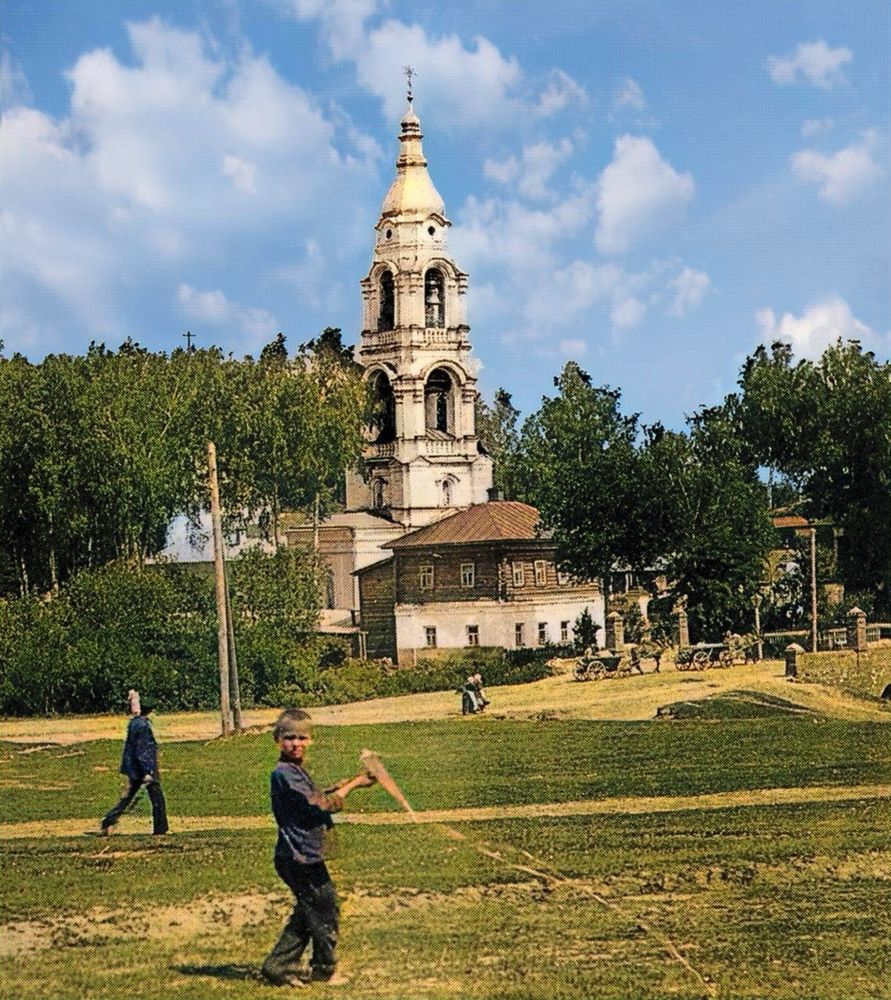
<point x="424" y="465"/>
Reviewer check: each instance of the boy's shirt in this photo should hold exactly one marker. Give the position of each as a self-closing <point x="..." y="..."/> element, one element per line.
<point x="140" y="756"/>
<point x="302" y="813"/>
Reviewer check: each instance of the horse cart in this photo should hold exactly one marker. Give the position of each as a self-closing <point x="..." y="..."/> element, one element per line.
<point x="602" y="665"/>
<point x="704" y="655"/>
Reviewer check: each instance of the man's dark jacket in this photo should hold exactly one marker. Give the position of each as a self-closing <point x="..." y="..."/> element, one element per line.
<point x="140" y="750"/>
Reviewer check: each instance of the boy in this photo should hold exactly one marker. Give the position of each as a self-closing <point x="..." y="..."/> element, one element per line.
<point x="303" y="814"/>
<point x="139" y="763"/>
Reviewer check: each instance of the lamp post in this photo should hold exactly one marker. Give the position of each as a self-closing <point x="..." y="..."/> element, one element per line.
<point x="813" y="534"/>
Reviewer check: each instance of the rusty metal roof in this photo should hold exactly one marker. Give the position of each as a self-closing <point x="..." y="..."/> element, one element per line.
<point x="495" y="521"/>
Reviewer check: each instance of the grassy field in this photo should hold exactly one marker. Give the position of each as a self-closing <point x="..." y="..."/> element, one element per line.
<point x="754" y="902"/>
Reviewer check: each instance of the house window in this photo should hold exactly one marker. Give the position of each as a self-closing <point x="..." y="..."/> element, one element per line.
<point x="468" y="574"/>
<point x="430" y="636"/>
<point x="542" y="633"/>
<point x="562" y="578"/>
<point x="519" y="574"/>
<point x="425" y="576"/>
<point x="519" y="641"/>
<point x="473" y="635"/>
<point x="564" y="631"/>
<point x="541" y="573"/>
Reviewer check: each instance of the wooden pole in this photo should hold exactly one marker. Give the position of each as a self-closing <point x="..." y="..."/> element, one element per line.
<point x="220" y="577"/>
<point x="234" y="688"/>
<point x="813" y="590"/>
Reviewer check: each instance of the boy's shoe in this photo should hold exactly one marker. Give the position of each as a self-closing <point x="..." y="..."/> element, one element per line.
<point x="296" y="982"/>
<point x="103" y="831"/>
<point x="335" y="978"/>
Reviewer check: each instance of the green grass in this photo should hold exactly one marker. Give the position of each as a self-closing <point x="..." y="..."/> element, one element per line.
<point x="735" y="705"/>
<point x="758" y="898"/>
<point x="771" y="903"/>
<point x="454" y="763"/>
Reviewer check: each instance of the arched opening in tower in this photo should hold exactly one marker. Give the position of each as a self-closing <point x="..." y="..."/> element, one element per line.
<point x="383" y="409"/>
<point x="439" y="402"/>
<point x="434" y="297"/>
<point x="387" y="317"/>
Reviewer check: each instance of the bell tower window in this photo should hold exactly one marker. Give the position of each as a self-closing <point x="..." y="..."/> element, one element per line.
<point x="387" y="317"/>
<point x="377" y="494"/>
<point x="439" y="403"/>
<point x="383" y="414"/>
<point x="434" y="298"/>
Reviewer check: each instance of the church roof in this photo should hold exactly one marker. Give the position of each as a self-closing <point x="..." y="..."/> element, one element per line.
<point x="495" y="521"/>
<point x="412" y="193"/>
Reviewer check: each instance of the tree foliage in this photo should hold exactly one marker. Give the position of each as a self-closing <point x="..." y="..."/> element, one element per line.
<point x="98" y="453"/>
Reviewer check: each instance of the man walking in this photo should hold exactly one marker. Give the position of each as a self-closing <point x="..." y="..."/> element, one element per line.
<point x="140" y="764"/>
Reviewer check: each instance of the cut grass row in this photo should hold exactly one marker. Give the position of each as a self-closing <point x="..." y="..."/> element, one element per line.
<point x="769" y="903"/>
<point x="450" y="764"/>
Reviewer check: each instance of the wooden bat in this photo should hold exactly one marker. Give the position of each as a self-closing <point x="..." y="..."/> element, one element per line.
<point x="374" y="766"/>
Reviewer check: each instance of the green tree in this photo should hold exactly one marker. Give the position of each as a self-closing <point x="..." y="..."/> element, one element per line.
<point x="578" y="463"/>
<point x="497" y="429"/>
<point x="825" y="427"/>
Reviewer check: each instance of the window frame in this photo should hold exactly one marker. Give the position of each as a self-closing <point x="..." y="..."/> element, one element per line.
<point x="519" y="637"/>
<point x="543" y="638"/>
<point x="471" y="576"/>
<point x="564" y="631"/>
<point x="426" y="572"/>
<point x="540" y="568"/>
<point x="518" y="569"/>
<point x="473" y="635"/>
<point x="430" y="633"/>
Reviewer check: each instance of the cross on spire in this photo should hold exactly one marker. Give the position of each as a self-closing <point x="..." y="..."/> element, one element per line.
<point x="409" y="72"/>
<point x="189" y="338"/>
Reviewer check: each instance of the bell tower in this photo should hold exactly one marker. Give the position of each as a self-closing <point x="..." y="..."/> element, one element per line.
<point x="422" y="453"/>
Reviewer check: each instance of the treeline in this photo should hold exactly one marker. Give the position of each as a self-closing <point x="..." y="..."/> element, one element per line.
<point x="813" y="437"/>
<point x="99" y="452"/>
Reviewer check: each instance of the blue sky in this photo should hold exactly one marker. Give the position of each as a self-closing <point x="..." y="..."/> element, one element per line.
<point x="648" y="188"/>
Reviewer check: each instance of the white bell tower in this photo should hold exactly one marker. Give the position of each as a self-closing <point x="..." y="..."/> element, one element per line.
<point x="422" y="455"/>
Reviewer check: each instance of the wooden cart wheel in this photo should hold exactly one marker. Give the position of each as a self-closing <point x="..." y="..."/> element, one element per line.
<point x="581" y="672"/>
<point x="700" y="660"/>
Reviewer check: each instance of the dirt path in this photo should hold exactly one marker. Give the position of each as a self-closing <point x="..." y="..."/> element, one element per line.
<point x="478" y="814"/>
<point x="628" y="699"/>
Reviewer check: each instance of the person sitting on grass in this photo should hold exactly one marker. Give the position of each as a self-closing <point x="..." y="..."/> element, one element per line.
<point x="139" y="763"/>
<point x="303" y="815"/>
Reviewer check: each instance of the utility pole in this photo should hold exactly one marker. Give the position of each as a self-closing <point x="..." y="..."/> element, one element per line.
<point x="234" y="688"/>
<point x="220" y="577"/>
<point x="813" y="589"/>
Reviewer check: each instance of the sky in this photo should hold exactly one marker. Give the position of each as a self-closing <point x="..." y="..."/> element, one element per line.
<point x="650" y="189"/>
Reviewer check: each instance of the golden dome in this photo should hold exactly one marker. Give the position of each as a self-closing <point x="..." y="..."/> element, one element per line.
<point x="412" y="194"/>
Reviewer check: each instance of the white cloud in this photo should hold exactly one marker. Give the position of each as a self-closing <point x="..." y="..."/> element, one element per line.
<point x="572" y="348"/>
<point x="214" y="307"/>
<point x="818" y="327"/>
<point x="560" y="91"/>
<point x="533" y="170"/>
<point x="689" y="289"/>
<point x="627" y="313"/>
<point x="639" y="193"/>
<point x="814" y="62"/>
<point x="14" y="89"/>
<point x="816" y="126"/>
<point x="630" y="95"/>
<point x="464" y="85"/>
<point x="241" y="173"/>
<point x="844" y="176"/>
<point x="150" y="167"/>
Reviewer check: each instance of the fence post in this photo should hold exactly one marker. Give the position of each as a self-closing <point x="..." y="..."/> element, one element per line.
<point x="682" y="630"/>
<point x="615" y="630"/>
<point x="857" y="630"/>
<point x="792" y="651"/>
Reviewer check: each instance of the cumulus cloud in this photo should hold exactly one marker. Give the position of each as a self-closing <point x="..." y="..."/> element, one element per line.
<point x="639" y="193"/>
<point x="466" y="85"/>
<point x="689" y="289"/>
<point x="629" y="95"/>
<point x="845" y="175"/>
<point x="533" y="170"/>
<point x="817" y="327"/>
<point x="214" y="307"/>
<point x="179" y="153"/>
<point x="813" y="62"/>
